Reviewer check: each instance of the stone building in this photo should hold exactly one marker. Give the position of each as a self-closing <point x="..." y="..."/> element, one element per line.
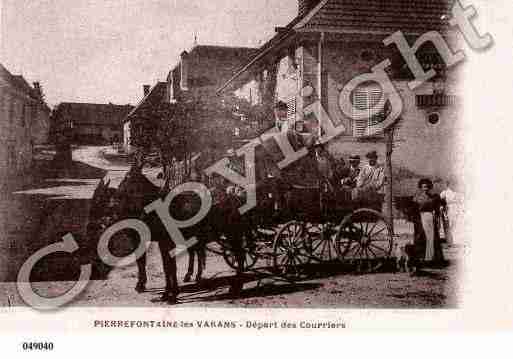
<point x="197" y="75"/>
<point x="329" y="43"/>
<point x="89" y="123"/>
<point x="203" y="69"/>
<point x="135" y="122"/>
<point x="24" y="123"/>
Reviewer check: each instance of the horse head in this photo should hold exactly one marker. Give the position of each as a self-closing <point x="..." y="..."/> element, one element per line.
<point x="136" y="191"/>
<point x="101" y="196"/>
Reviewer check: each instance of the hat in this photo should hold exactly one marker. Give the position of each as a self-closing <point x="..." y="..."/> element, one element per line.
<point x="280" y="105"/>
<point x="372" y="155"/>
<point x="354" y="158"/>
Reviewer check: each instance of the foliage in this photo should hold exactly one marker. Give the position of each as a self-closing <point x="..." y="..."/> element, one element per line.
<point x="198" y="124"/>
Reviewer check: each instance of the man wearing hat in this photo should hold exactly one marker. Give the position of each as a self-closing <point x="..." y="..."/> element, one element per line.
<point x="371" y="180"/>
<point x="349" y="181"/>
<point x="280" y="115"/>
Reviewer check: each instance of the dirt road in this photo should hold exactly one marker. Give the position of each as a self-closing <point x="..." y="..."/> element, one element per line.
<point x="66" y="199"/>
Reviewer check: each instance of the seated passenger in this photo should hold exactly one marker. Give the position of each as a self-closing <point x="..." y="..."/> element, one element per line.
<point x="370" y="182"/>
<point x="351" y="175"/>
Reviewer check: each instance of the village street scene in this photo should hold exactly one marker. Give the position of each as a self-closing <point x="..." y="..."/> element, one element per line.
<point x="238" y="172"/>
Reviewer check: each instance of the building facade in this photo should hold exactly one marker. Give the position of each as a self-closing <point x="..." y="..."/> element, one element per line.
<point x="89" y="123"/>
<point x="330" y="42"/>
<point x="136" y="122"/>
<point x="24" y="123"/>
<point x="197" y="75"/>
<point x="203" y="69"/>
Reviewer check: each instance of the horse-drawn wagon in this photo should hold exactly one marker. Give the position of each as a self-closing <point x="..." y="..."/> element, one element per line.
<point x="293" y="224"/>
<point x="296" y="223"/>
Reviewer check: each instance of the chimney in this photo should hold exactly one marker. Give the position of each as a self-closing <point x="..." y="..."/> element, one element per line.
<point x="304" y="6"/>
<point x="184" y="71"/>
<point x="36" y="86"/>
<point x="146" y="90"/>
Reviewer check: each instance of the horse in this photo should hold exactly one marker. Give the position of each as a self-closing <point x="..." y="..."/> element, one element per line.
<point x="128" y="201"/>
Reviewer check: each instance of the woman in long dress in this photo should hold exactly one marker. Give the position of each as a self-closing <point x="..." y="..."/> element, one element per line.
<point x="453" y="208"/>
<point x="427" y="236"/>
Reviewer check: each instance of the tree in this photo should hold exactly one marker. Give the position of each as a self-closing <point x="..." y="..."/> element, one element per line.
<point x="197" y="124"/>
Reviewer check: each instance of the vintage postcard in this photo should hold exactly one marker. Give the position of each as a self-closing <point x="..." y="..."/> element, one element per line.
<point x="257" y="166"/>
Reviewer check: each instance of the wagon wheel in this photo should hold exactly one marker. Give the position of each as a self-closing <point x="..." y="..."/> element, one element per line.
<point x="248" y="249"/>
<point x="364" y="239"/>
<point x="290" y="252"/>
<point x="320" y="243"/>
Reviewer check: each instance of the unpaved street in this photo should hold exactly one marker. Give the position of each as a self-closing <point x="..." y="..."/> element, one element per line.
<point x="62" y="204"/>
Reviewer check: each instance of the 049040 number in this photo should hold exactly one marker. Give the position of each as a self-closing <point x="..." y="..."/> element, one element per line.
<point x="37" y="346"/>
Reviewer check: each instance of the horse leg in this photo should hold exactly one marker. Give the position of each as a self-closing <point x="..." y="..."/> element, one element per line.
<point x="141" y="274"/>
<point x="169" y="263"/>
<point x="141" y="269"/>
<point x="190" y="267"/>
<point x="201" y="252"/>
<point x="237" y="281"/>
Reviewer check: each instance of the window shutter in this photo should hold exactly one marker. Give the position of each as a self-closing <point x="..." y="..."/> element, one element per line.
<point x="375" y="121"/>
<point x="291" y="110"/>
<point x="359" y="120"/>
<point x="365" y="98"/>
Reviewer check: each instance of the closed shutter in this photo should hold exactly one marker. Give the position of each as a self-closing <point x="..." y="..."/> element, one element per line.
<point x="291" y="111"/>
<point x="365" y="98"/>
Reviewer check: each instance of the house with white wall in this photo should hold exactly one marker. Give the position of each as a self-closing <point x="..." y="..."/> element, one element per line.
<point x="329" y="43"/>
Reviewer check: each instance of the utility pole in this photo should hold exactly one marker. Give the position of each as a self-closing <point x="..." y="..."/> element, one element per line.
<point x="389" y="136"/>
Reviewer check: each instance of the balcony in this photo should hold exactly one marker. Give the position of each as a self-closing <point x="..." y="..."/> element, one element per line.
<point x="436" y="100"/>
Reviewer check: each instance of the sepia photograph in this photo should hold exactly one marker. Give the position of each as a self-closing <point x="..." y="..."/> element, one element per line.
<point x="295" y="154"/>
<point x="303" y="154"/>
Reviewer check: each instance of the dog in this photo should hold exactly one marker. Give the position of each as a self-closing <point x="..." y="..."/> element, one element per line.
<point x="403" y="252"/>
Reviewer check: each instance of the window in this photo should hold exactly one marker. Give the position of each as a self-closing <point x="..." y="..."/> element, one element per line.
<point x="291" y="111"/>
<point x="23" y="114"/>
<point x="366" y="98"/>
<point x="434" y="118"/>
<point x="12" y="106"/>
<point x="11" y="156"/>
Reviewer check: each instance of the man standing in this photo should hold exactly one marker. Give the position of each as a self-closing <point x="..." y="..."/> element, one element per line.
<point x="280" y="116"/>
<point x="349" y="181"/>
<point x="370" y="182"/>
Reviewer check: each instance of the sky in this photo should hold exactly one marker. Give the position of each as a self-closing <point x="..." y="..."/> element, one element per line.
<point x="103" y="51"/>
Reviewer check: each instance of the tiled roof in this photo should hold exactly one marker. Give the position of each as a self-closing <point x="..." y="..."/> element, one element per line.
<point x="156" y="95"/>
<point x="276" y="39"/>
<point x="382" y="16"/>
<point x="409" y="16"/>
<point x="215" y="50"/>
<point x="94" y="113"/>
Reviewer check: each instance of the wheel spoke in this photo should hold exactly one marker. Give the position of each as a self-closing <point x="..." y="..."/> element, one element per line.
<point x="281" y="260"/>
<point x="378" y="248"/>
<point x="370" y="250"/>
<point x="318" y="245"/>
<point x="357" y="254"/>
<point x="293" y="264"/>
<point x="374" y="226"/>
<point x="366" y="253"/>
<point x="304" y="256"/>
<point x="381" y="230"/>
<point x="324" y="242"/>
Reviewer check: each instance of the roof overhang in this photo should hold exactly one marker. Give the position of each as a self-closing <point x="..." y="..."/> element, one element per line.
<point x="144" y="99"/>
<point x="265" y="51"/>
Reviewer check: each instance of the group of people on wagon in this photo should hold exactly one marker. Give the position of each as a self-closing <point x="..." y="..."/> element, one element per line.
<point x="365" y="182"/>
